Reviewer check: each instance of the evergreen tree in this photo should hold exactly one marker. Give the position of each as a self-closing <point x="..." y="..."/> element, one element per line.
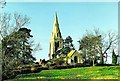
<point x="16" y="50"/>
<point x="16" y="47"/>
<point x="68" y="42"/>
<point x="114" y="57"/>
<point x="68" y="46"/>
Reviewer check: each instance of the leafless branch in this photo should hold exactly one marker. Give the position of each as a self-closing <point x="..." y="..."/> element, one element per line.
<point x="11" y="23"/>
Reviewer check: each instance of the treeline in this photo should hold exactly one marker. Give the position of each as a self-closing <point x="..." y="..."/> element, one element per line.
<point x="96" y="46"/>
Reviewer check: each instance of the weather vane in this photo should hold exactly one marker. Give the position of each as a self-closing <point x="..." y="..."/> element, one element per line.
<point x="2" y="3"/>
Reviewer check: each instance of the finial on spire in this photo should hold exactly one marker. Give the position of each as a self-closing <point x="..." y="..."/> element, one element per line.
<point x="56" y="14"/>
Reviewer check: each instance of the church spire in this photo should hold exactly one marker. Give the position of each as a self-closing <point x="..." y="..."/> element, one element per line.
<point x="56" y="31"/>
<point x="56" y="19"/>
<point x="56" y="41"/>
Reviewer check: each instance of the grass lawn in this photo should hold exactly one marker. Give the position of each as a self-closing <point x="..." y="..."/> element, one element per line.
<point x="96" y="72"/>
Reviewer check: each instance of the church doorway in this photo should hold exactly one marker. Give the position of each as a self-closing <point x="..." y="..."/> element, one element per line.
<point x="71" y="61"/>
<point x="76" y="59"/>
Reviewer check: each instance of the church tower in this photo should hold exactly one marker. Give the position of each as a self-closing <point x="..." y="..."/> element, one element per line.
<point x="56" y="41"/>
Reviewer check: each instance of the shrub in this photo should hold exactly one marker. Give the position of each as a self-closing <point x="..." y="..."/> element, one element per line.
<point x="25" y="71"/>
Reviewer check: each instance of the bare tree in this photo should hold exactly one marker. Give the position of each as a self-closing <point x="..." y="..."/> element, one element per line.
<point x="2" y="3"/>
<point x="108" y="42"/>
<point x="112" y="42"/>
<point x="11" y="23"/>
<point x="97" y="42"/>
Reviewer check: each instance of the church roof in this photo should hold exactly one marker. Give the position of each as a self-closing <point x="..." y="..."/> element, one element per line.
<point x="71" y="53"/>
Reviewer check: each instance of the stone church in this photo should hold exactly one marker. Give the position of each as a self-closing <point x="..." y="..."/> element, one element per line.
<point x="56" y="43"/>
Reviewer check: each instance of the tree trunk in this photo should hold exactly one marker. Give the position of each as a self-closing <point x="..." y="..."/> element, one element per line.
<point x="101" y="55"/>
<point x="93" y="63"/>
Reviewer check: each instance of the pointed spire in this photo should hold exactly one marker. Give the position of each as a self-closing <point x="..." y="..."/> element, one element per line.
<point x="56" y="41"/>
<point x="56" y="31"/>
<point x="56" y="19"/>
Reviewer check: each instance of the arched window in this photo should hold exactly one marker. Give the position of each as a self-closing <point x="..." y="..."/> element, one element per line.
<point x="57" y="34"/>
<point x="56" y="46"/>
